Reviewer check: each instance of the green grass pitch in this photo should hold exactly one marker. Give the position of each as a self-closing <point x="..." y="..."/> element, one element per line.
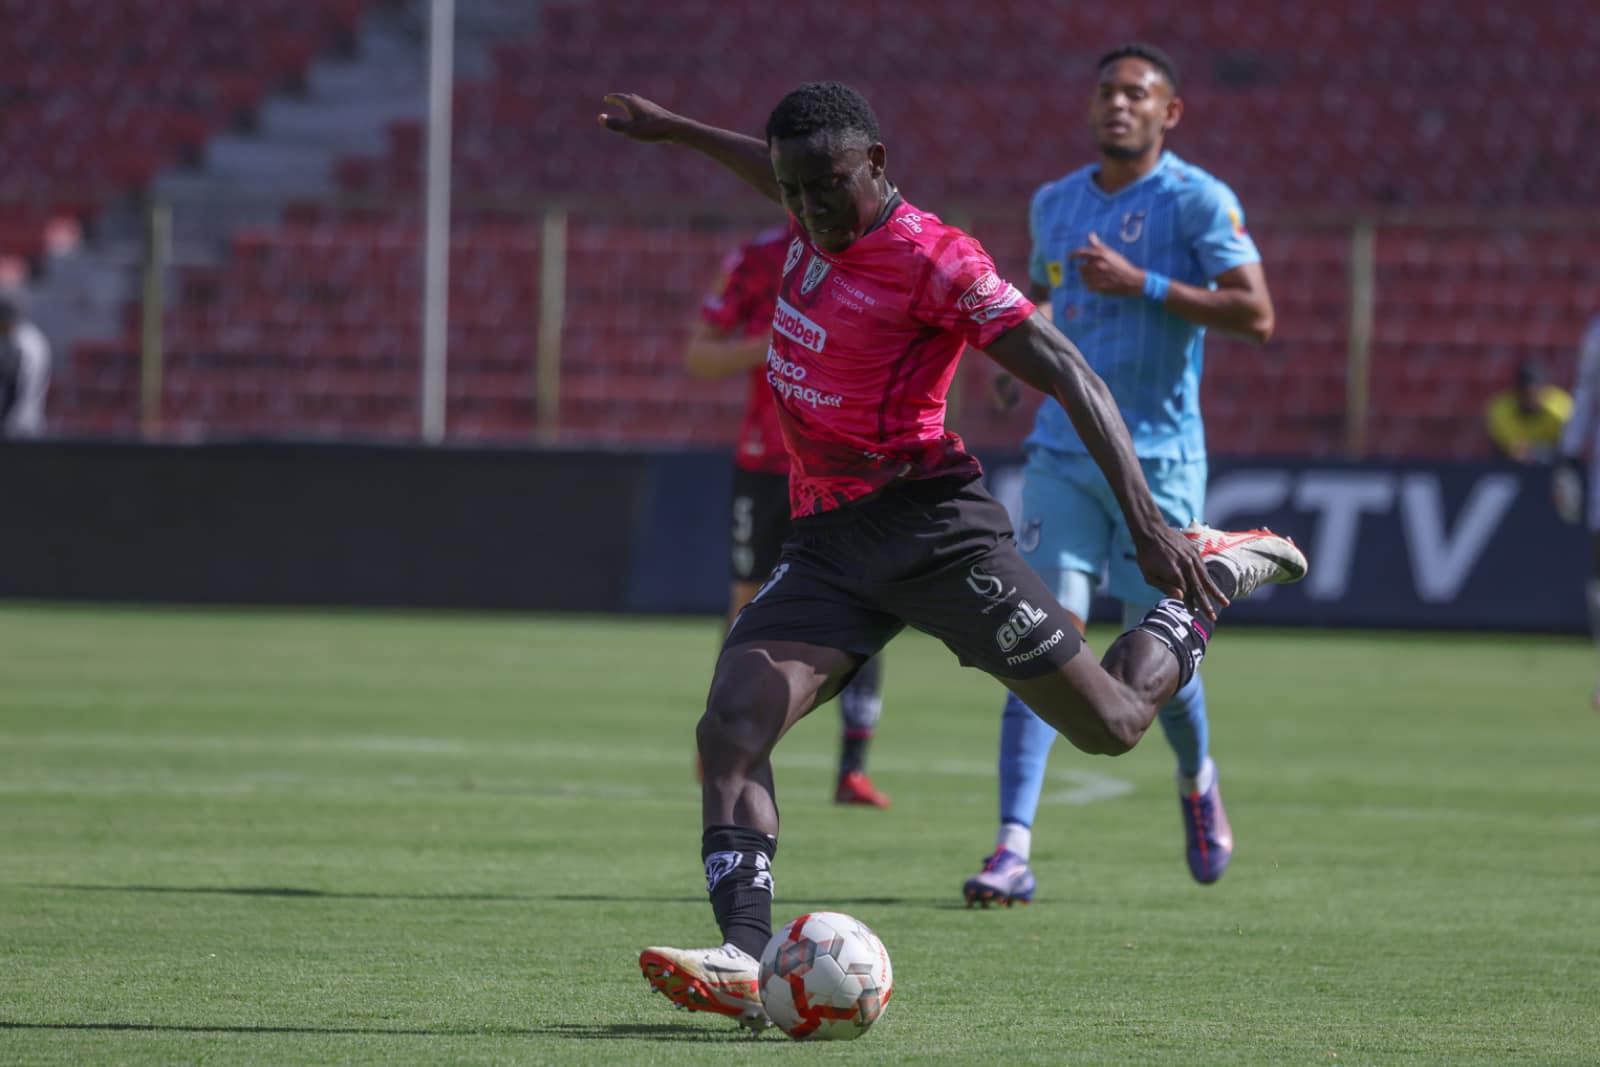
<point x="276" y="837"/>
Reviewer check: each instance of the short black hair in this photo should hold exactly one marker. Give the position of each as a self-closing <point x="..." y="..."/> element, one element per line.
<point x="822" y="107"/>
<point x="1147" y="52"/>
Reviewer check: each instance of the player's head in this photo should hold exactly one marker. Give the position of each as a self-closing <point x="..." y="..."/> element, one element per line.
<point x="829" y="162"/>
<point x="1135" y="101"/>
<point x="1531" y="380"/>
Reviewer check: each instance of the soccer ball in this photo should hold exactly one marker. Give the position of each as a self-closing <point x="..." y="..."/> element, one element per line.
<point x="825" y="977"/>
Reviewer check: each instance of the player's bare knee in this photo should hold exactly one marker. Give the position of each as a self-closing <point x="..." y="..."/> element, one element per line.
<point x="740" y="724"/>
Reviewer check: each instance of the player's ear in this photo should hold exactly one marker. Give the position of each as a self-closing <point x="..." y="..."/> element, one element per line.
<point x="877" y="158"/>
<point x="1174" y="114"/>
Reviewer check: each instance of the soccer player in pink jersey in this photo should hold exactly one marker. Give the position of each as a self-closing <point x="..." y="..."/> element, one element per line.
<point x="891" y="523"/>
<point x="730" y="336"/>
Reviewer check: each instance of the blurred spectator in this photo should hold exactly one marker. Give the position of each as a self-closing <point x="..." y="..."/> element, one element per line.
<point x="24" y="373"/>
<point x="1525" y="422"/>
<point x="1580" y="444"/>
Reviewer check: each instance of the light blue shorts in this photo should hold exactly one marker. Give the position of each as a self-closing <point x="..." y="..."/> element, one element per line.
<point x="1071" y="522"/>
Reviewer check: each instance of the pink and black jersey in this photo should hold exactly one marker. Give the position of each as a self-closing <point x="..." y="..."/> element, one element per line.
<point x="743" y="304"/>
<point x="865" y="344"/>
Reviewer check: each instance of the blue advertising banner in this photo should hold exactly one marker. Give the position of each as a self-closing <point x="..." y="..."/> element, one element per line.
<point x="1395" y="544"/>
<point x="1455" y="546"/>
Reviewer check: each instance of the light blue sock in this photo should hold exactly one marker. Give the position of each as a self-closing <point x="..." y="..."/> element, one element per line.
<point x="1183" y="720"/>
<point x="1025" y="741"/>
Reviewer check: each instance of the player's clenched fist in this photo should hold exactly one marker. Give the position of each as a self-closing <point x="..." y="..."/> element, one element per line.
<point x="638" y="118"/>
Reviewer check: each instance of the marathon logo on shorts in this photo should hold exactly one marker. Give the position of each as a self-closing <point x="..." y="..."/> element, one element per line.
<point x="1037" y="650"/>
<point x="1023" y="621"/>
<point x="797" y="328"/>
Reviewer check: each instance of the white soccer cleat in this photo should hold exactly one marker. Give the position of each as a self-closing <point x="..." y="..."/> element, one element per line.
<point x="1254" y="557"/>
<point x="725" y="980"/>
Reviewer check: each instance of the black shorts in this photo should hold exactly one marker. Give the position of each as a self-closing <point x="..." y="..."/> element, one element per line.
<point x="936" y="554"/>
<point x="760" y="523"/>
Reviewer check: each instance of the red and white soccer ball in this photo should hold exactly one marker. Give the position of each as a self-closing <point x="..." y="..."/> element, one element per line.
<point x="825" y="977"/>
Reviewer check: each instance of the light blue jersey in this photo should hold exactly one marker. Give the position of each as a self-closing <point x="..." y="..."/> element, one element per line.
<point x="1177" y="220"/>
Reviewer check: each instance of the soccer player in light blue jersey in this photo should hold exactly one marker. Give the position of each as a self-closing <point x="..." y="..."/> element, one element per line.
<point x="1138" y="253"/>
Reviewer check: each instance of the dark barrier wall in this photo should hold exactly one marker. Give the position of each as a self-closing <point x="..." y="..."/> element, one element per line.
<point x="1396" y="545"/>
<point x="284" y="524"/>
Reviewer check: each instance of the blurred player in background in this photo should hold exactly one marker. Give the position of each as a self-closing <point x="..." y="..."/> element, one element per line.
<point x="1580" y="444"/>
<point x="892" y="526"/>
<point x="1525" y="421"/>
<point x="731" y="336"/>
<point x="24" y="373"/>
<point x="1137" y="254"/>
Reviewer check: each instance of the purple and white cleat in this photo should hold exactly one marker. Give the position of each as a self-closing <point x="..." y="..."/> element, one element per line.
<point x="1005" y="879"/>
<point x="1208" y="836"/>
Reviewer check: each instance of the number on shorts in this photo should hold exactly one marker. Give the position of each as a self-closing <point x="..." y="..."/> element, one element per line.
<point x="744" y="519"/>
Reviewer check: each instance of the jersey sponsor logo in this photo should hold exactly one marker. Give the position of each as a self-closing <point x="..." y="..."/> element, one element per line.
<point x="1023" y="621"/>
<point x="999" y="306"/>
<point x="1057" y="273"/>
<point x="1238" y="222"/>
<point x="986" y="585"/>
<point x="1037" y="650"/>
<point x="911" y="221"/>
<point x="803" y="393"/>
<point x="791" y="323"/>
<point x="980" y="292"/>
<point x="1132" y="227"/>
<point x="839" y="282"/>
<point x="796" y="248"/>
<point x="816" y="270"/>
<point x="776" y="364"/>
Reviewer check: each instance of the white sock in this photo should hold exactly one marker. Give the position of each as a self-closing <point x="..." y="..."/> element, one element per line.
<point x="1199" y="783"/>
<point x="1016" y="837"/>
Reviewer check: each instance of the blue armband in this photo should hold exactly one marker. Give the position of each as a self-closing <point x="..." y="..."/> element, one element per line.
<point x="1156" y="286"/>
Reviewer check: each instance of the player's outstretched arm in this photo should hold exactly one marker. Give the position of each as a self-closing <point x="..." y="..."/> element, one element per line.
<point x="714" y="353"/>
<point x="644" y="120"/>
<point x="1041" y="355"/>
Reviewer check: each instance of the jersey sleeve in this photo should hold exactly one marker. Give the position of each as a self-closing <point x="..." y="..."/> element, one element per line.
<point x="963" y="293"/>
<point x="738" y="295"/>
<point x="1038" y="257"/>
<point x="1579" y="429"/>
<point x="1213" y="223"/>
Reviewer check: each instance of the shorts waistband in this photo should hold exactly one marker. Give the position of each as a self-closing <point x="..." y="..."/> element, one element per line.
<point x="914" y="491"/>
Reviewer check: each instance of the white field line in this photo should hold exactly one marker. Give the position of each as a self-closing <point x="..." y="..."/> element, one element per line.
<point x="1082" y="787"/>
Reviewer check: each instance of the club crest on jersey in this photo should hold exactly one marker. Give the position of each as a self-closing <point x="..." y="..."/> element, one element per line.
<point x="796" y="247"/>
<point x="816" y="270"/>
<point x="1132" y="227"/>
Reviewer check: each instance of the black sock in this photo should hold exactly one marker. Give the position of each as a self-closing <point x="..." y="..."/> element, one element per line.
<point x="739" y="879"/>
<point x="860" y="704"/>
<point x="1172" y="624"/>
<point x="852" y="751"/>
